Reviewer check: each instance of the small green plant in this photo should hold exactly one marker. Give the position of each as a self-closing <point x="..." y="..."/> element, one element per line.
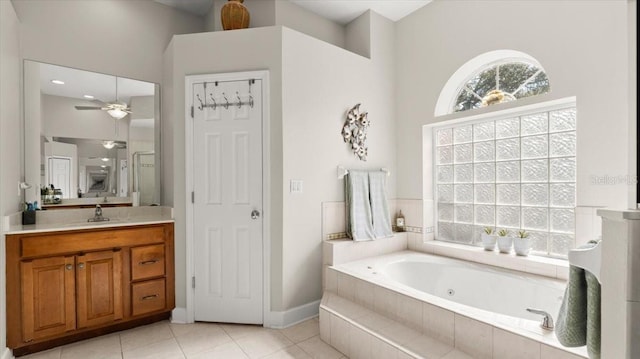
<point x="488" y="230"/>
<point x="503" y="232"/>
<point x="523" y="234"/>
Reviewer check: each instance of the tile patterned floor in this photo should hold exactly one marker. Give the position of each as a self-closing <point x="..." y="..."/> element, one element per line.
<point x="164" y="340"/>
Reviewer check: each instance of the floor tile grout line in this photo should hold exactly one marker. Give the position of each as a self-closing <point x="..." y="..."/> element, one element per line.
<point x="234" y="341"/>
<point x="121" y="350"/>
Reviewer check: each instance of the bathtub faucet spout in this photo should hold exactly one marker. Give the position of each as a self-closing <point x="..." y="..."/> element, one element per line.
<point x="547" y="321"/>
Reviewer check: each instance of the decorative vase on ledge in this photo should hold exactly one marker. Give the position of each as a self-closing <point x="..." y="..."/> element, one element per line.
<point x="234" y="15"/>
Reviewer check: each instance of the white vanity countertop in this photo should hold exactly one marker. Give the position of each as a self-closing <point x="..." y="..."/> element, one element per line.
<point x="76" y="219"/>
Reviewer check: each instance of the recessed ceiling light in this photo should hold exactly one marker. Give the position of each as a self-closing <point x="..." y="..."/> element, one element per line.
<point x="57" y="82"/>
<point x="88" y="96"/>
<point x="104" y="159"/>
<point x="103" y="166"/>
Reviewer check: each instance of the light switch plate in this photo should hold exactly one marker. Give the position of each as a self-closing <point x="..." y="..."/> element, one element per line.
<point x="296" y="186"/>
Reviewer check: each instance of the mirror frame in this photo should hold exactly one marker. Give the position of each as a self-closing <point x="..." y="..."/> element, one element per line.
<point x="33" y="179"/>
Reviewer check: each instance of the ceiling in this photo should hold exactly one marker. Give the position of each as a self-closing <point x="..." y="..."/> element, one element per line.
<point x="78" y="83"/>
<point x="340" y="11"/>
<point x="344" y="11"/>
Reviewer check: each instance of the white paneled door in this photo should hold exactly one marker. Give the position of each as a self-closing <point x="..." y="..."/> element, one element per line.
<point x="227" y="201"/>
<point x="60" y="174"/>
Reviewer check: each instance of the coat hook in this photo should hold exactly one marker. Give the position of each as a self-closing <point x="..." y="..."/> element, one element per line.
<point x="239" y="100"/>
<point x="215" y="104"/>
<point x="201" y="103"/>
<point x="226" y="106"/>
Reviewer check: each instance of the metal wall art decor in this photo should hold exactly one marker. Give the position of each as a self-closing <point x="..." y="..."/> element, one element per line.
<point x="354" y="132"/>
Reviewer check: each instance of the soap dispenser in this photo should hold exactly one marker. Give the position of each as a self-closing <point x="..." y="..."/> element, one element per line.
<point x="400" y="222"/>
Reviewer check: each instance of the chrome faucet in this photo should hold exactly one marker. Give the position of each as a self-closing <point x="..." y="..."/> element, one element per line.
<point x="547" y="321"/>
<point x="97" y="217"/>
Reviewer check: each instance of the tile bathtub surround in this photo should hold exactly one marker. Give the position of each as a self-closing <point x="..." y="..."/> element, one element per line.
<point x="393" y="318"/>
<point x="364" y="334"/>
<point x="340" y="251"/>
<point x="201" y="340"/>
<point x="334" y="216"/>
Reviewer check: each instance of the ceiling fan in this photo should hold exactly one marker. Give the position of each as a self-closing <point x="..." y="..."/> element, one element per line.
<point x="114" y="109"/>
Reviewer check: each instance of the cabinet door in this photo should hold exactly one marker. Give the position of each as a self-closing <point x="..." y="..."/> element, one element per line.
<point x="48" y="297"/>
<point x="99" y="296"/>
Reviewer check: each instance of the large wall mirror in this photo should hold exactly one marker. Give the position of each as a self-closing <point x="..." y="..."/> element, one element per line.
<point x="90" y="138"/>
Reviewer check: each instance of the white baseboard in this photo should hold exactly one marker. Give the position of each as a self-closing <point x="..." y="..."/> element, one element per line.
<point x="179" y="316"/>
<point x="6" y="354"/>
<point x="292" y="316"/>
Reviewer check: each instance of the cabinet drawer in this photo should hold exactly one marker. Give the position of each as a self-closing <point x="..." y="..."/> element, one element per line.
<point x="147" y="262"/>
<point x="148" y="296"/>
<point x="89" y="240"/>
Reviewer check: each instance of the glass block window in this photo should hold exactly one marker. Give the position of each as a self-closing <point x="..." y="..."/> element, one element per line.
<point x="515" y="173"/>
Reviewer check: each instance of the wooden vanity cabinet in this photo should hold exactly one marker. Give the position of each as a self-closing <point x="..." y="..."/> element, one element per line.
<point x="71" y="285"/>
<point x="48" y="297"/>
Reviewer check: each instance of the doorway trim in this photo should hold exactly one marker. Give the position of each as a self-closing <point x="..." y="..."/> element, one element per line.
<point x="190" y="80"/>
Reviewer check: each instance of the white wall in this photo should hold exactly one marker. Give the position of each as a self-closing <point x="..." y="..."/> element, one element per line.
<point x="358" y="35"/>
<point x="320" y="83"/>
<point x="124" y="38"/>
<point x="582" y="46"/>
<point x="300" y="19"/>
<point x="10" y="143"/>
<point x="222" y="51"/>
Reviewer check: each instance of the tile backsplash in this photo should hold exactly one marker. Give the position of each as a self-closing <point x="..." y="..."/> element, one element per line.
<point x="334" y="216"/>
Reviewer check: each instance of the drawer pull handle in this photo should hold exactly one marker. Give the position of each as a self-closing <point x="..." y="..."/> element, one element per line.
<point x="68" y="267"/>
<point x="148" y="297"/>
<point x="152" y="261"/>
<point x="81" y="265"/>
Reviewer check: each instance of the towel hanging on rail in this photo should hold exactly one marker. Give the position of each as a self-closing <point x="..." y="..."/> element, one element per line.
<point x="379" y="206"/>
<point x="578" y="321"/>
<point x="356" y="193"/>
<point x="367" y="208"/>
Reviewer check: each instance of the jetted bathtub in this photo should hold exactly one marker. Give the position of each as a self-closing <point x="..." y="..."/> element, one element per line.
<point x="494" y="296"/>
<point x="476" y="285"/>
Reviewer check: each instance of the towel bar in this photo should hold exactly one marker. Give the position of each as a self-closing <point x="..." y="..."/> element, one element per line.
<point x="343" y="172"/>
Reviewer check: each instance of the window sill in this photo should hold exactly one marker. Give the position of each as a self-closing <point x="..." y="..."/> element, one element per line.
<point x="548" y="267"/>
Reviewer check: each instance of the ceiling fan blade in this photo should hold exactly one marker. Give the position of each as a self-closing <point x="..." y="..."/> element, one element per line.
<point x="88" y="108"/>
<point x="100" y="102"/>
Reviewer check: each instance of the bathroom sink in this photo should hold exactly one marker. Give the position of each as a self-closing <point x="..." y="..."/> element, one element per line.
<point x="101" y="223"/>
<point x="98" y="220"/>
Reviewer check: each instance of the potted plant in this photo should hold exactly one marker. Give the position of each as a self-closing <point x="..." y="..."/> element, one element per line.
<point x="522" y="243"/>
<point x="488" y="239"/>
<point x="505" y="242"/>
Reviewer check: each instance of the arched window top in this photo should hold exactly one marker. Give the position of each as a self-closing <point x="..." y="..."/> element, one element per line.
<point x="494" y="77"/>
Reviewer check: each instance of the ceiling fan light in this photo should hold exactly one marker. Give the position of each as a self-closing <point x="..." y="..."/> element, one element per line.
<point x="108" y="144"/>
<point x="117" y="113"/>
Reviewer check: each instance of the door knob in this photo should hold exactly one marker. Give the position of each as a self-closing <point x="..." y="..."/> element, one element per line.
<point x="68" y="267"/>
<point x="255" y="214"/>
<point x="81" y="265"/>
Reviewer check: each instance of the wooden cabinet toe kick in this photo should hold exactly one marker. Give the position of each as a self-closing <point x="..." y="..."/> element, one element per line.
<point x="73" y="285"/>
